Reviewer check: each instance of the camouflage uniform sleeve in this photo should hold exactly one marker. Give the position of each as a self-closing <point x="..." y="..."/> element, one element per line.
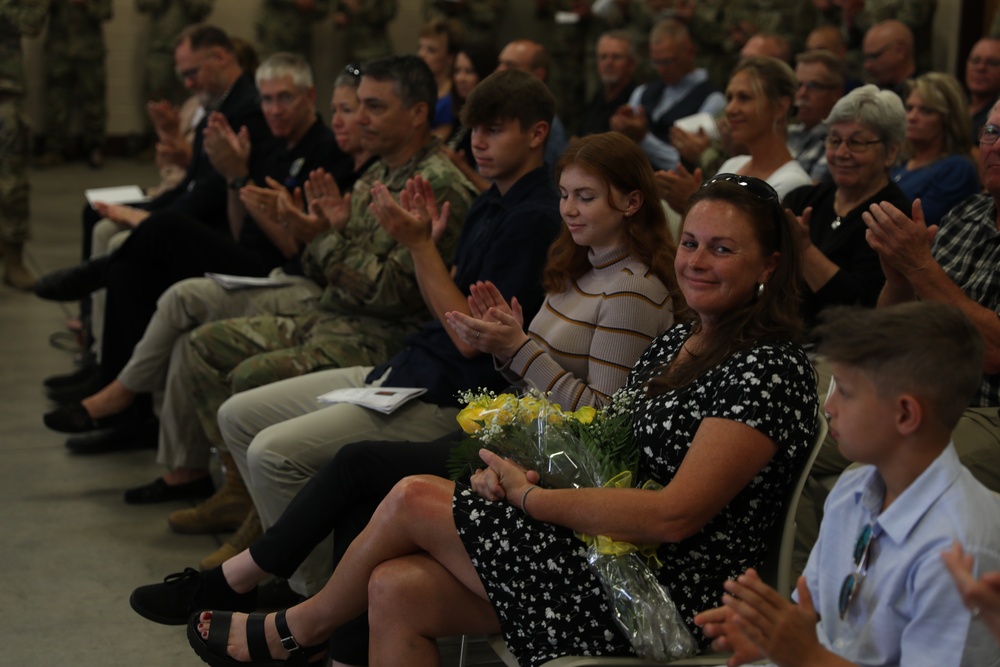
<point x="485" y="12"/>
<point x="197" y="10"/>
<point x="151" y="6"/>
<point x="100" y="9"/>
<point x="26" y="17"/>
<point x="914" y="13"/>
<point x="320" y="7"/>
<point x="377" y="11"/>
<point x="365" y="269"/>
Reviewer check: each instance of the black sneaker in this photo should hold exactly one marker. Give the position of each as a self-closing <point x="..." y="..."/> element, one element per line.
<point x="183" y="593"/>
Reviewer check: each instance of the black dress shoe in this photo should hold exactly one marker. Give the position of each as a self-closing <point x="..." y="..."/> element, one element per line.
<point x="136" y="435"/>
<point x="183" y="593"/>
<point x="74" y="283"/>
<point x="73" y="418"/>
<point x="158" y="491"/>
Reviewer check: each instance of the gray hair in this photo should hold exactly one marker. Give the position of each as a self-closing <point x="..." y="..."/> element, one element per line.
<point x="620" y="35"/>
<point x="880" y="110"/>
<point x="283" y="64"/>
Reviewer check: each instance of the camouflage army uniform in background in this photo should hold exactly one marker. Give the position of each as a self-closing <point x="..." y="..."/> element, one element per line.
<point x="566" y="26"/>
<point x="286" y="25"/>
<point x="169" y="18"/>
<point x="17" y="18"/>
<point x="75" y="76"/>
<point x="362" y="26"/>
<point x="479" y="18"/>
<point x="370" y="301"/>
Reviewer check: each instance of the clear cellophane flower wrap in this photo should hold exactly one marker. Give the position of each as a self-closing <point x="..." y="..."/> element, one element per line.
<point x="586" y="448"/>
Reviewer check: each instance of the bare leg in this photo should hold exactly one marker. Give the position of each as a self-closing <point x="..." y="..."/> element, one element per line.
<point x="415" y="518"/>
<point x="242" y="573"/>
<point x="412" y="601"/>
<point x="110" y="400"/>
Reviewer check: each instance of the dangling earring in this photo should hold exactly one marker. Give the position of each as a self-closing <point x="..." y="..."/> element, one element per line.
<point x="760" y="290"/>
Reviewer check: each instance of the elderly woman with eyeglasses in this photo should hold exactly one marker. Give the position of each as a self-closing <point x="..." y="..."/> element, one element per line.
<point x="936" y="160"/>
<point x="838" y="265"/>
<point x="724" y="415"/>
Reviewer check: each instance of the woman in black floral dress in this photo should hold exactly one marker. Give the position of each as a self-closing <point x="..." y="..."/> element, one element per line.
<point x="727" y="416"/>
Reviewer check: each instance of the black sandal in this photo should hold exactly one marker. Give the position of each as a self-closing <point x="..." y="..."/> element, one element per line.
<point x="214" y="649"/>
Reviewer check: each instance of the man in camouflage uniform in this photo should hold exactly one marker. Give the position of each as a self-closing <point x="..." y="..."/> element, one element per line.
<point x="371" y="299"/>
<point x="286" y="25"/>
<point x="17" y="18"/>
<point x="169" y="18"/>
<point x="478" y="18"/>
<point x="363" y="28"/>
<point x="75" y="77"/>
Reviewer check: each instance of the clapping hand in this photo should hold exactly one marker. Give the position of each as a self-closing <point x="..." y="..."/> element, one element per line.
<point x="325" y="200"/>
<point x="676" y="187"/>
<point x="800" y="227"/>
<point x="261" y="203"/>
<point x="494" y="327"/>
<point x="630" y="122"/>
<point x="228" y="151"/>
<point x="756" y="621"/>
<point x="689" y="144"/>
<point x="903" y="244"/>
<point x="126" y="216"/>
<point x="292" y="215"/>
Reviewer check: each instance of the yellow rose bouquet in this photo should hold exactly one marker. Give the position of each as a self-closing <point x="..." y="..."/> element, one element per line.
<point x="586" y="448"/>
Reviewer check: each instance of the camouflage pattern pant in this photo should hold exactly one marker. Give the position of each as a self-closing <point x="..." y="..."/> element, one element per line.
<point x="74" y="84"/>
<point x="229" y="356"/>
<point x="161" y="356"/>
<point x="280" y="436"/>
<point x="13" y="166"/>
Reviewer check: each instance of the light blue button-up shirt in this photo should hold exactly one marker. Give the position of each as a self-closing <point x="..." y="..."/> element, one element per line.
<point x="908" y="611"/>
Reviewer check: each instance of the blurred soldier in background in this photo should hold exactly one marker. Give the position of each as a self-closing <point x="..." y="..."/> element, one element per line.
<point x="75" y="78"/>
<point x="479" y="18"/>
<point x="169" y="18"/>
<point x="17" y="18"/>
<point x="286" y="25"/>
<point x="363" y="27"/>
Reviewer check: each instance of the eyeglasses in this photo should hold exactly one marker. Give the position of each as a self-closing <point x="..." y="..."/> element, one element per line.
<point x="854" y="145"/>
<point x="875" y="55"/>
<point x="989" y="62"/>
<point x="760" y="189"/>
<point x="988" y="134"/>
<point x="852" y="582"/>
<point x="813" y="86"/>
<point x="353" y="70"/>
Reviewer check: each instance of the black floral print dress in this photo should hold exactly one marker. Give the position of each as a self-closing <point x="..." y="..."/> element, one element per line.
<point x="536" y="574"/>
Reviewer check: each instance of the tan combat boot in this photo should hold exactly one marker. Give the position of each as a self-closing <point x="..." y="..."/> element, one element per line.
<point x="15" y="273"/>
<point x="241" y="540"/>
<point x="223" y="512"/>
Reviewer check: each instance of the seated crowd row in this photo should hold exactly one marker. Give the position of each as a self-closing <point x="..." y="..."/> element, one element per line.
<point x="580" y="269"/>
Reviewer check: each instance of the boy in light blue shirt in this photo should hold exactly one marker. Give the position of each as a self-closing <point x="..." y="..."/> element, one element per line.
<point x="875" y="591"/>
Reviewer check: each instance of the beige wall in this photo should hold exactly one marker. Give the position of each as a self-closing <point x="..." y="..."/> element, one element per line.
<point x="126" y="35"/>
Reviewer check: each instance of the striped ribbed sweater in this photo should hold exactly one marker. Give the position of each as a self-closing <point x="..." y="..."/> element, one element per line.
<point x="584" y="340"/>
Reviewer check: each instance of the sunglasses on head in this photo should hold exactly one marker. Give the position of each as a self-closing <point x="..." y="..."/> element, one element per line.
<point x="758" y="188"/>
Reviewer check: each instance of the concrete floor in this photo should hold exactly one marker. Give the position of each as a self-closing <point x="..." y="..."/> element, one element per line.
<point x="71" y="551"/>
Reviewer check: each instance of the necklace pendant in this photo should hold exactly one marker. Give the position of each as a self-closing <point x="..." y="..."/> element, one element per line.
<point x="836" y="223"/>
